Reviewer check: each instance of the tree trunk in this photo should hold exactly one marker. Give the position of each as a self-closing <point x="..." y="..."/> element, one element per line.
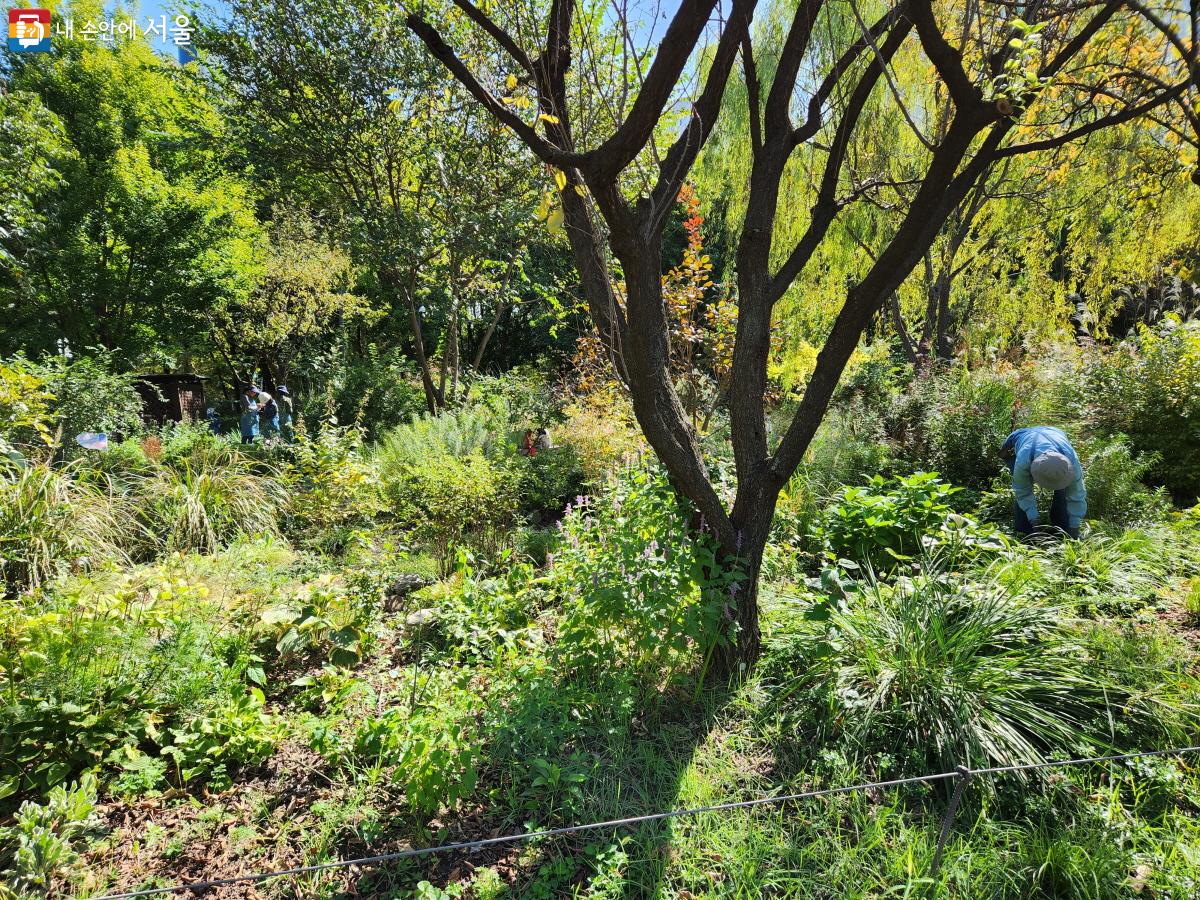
<point x="452" y="348"/>
<point x="477" y="360"/>
<point x="432" y="400"/>
<point x="944" y="344"/>
<point x="750" y="544"/>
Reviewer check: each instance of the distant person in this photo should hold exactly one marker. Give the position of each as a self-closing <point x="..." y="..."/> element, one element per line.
<point x="248" y="420"/>
<point x="285" y="413"/>
<point x="529" y="443"/>
<point x="268" y="416"/>
<point x="1044" y="456"/>
<point x="214" y="421"/>
<point x="543" y="441"/>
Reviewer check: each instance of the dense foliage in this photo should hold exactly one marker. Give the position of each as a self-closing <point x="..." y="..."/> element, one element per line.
<point x="459" y="595"/>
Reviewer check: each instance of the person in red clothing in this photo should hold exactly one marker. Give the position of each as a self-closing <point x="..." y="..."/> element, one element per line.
<point x="529" y="443"/>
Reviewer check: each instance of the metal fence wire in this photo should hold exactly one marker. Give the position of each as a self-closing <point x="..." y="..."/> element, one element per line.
<point x="962" y="775"/>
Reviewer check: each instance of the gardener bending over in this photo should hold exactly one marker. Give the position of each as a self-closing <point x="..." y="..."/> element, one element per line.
<point x="1043" y="456"/>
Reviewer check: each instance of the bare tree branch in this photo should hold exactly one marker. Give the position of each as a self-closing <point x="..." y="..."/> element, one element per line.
<point x="442" y="52"/>
<point x="945" y="58"/>
<point x="498" y="34"/>
<point x="779" y="98"/>
<point x="1126" y="115"/>
<point x="683" y="152"/>
<point x="611" y="157"/>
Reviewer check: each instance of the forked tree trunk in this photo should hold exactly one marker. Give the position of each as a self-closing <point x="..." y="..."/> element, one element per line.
<point x="636" y="336"/>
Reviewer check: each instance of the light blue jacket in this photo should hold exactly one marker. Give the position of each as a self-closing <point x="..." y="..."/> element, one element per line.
<point x="1029" y="444"/>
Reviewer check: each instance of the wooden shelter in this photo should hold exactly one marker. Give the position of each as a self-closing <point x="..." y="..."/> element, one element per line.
<point x="172" y="398"/>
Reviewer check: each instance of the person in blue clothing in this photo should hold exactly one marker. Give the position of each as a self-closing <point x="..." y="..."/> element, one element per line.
<point x="248" y="420"/>
<point x="1044" y="456"/>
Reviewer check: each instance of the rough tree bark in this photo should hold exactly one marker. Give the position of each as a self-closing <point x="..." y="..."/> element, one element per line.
<point x="636" y="336"/>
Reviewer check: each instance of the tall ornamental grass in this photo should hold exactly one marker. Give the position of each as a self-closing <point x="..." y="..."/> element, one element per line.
<point x="204" y="501"/>
<point x="936" y="671"/>
<point x="51" y="524"/>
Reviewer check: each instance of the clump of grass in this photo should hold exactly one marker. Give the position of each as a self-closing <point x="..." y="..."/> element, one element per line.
<point x="205" y="501"/>
<point x="1191" y="600"/>
<point x="51" y="524"/>
<point x="938" y="671"/>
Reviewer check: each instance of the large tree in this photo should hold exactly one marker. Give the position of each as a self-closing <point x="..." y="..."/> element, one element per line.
<point x="118" y="227"/>
<point x="337" y="106"/>
<point x="1009" y="93"/>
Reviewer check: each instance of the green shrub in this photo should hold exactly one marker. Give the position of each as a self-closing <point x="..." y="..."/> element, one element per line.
<point x="938" y="671"/>
<point x="460" y="433"/>
<point x="536" y="544"/>
<point x="206" y="500"/>
<point x="332" y="489"/>
<point x="473" y="617"/>
<point x="24" y="406"/>
<point x="180" y="442"/>
<point x="377" y="389"/>
<point x="452" y="501"/>
<point x="1115" y="493"/>
<point x="641" y="591"/>
<point x="51" y="524"/>
<point x="1149" y="390"/>
<point x="551" y="479"/>
<point x="872" y="377"/>
<point x="602" y="431"/>
<point x="884" y="522"/>
<point x="38" y="846"/>
<point x="214" y="746"/>
<point x="972" y="416"/>
<point x="519" y="395"/>
<point x="796" y="514"/>
<point x="848" y="449"/>
<point x="89" y="395"/>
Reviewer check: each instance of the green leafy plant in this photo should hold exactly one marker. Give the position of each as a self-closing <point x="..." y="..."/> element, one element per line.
<point x="85" y="675"/>
<point x="1115" y="492"/>
<point x="452" y="501"/>
<point x="1147" y="389"/>
<point x="90" y="394"/>
<point x="966" y="426"/>
<point x="556" y="787"/>
<point x="318" y="618"/>
<point x="38" y="847"/>
<point x="642" y="591"/>
<point x="884" y="522"/>
<point x="433" y="751"/>
<point x="24" y="406"/>
<point x="329" y="688"/>
<point x="332" y="489"/>
<point x="458" y="433"/>
<point x="238" y="732"/>
<point x="1191" y="600"/>
<point x="551" y="479"/>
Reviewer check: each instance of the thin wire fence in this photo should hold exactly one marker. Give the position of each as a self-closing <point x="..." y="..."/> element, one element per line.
<point x="962" y="774"/>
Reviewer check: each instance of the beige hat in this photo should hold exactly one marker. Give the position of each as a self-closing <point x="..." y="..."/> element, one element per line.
<point x="1052" y="470"/>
